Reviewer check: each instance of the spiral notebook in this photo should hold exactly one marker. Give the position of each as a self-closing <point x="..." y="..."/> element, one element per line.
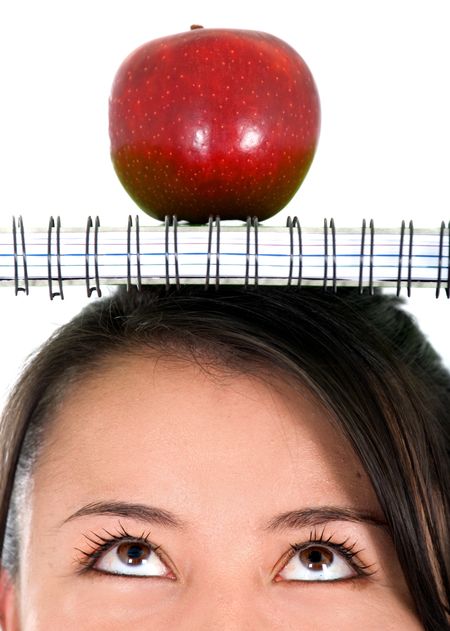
<point x="224" y="252"/>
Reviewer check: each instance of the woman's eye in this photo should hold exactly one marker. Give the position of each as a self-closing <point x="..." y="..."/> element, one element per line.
<point x="317" y="563"/>
<point x="312" y="563"/>
<point x="131" y="558"/>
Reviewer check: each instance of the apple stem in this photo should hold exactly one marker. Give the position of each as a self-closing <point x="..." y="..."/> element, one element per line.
<point x="194" y="26"/>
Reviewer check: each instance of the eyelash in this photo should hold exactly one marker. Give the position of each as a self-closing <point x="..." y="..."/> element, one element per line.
<point x="103" y="544"/>
<point x="346" y="550"/>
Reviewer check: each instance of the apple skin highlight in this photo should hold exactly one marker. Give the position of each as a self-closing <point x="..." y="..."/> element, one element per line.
<point x="213" y="122"/>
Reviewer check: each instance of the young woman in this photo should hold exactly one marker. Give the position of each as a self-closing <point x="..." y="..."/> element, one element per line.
<point x="258" y="459"/>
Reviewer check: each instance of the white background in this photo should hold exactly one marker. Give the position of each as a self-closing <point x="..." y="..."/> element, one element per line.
<point x="382" y="69"/>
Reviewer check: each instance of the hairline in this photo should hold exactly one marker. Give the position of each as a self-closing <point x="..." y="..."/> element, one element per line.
<point x="208" y="360"/>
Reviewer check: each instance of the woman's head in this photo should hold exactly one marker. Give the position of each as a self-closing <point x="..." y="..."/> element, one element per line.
<point x="228" y="408"/>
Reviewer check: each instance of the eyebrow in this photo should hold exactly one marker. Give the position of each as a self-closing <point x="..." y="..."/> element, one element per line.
<point x="321" y="515"/>
<point x="295" y="519"/>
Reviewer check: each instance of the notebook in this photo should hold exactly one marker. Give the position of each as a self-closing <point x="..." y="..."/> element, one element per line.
<point x="247" y="252"/>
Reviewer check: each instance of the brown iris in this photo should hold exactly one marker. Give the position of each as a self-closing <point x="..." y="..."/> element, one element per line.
<point x="133" y="553"/>
<point x="315" y="557"/>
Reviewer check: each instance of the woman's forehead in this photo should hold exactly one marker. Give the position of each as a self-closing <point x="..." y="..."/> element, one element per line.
<point x="170" y="430"/>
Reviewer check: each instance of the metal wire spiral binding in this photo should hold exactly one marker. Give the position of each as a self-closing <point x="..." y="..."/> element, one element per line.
<point x="251" y="222"/>
<point x="411" y="238"/>
<point x="130" y="223"/>
<point x="388" y="257"/>
<point x="138" y="255"/>
<point x="16" y="257"/>
<point x="209" y="254"/>
<point x="372" y="242"/>
<point x="90" y="289"/>
<point x="172" y="221"/>
<point x="333" y="238"/>
<point x="326" y="256"/>
<point x="255" y="226"/>
<point x="447" y="289"/>
<point x="361" y="256"/>
<point x="129" y="254"/>
<point x="440" y="265"/>
<point x="400" y="258"/>
<point x="448" y="264"/>
<point x="58" y="258"/>
<point x="291" y="224"/>
<point x="441" y="249"/>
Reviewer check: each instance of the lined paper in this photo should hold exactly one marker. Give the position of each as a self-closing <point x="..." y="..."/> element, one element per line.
<point x="264" y="254"/>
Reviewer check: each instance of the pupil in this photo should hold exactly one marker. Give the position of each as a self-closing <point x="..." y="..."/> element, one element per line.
<point x="134" y="552"/>
<point x="315" y="556"/>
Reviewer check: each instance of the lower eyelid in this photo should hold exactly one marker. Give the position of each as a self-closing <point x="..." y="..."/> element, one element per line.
<point x="357" y="582"/>
<point x="352" y="582"/>
<point x="99" y="574"/>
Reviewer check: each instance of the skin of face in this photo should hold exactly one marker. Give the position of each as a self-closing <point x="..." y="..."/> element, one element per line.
<point x="225" y="453"/>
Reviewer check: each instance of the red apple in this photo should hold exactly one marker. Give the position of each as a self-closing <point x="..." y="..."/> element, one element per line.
<point x="213" y="121"/>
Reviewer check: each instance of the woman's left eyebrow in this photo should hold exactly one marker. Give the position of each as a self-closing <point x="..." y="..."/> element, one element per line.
<point x="316" y="516"/>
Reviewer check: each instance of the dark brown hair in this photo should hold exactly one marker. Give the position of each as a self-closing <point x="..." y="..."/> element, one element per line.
<point x="361" y="355"/>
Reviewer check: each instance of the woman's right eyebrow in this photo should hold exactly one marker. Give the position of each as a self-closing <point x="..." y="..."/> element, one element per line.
<point x="139" y="512"/>
<point x="295" y="519"/>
